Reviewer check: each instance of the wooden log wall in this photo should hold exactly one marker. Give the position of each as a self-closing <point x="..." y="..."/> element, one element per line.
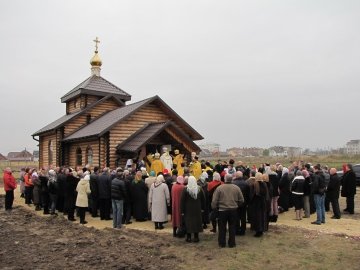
<point x="44" y="149"/>
<point x="94" y="144"/>
<point x="59" y="137"/>
<point x="179" y="139"/>
<point x="91" y="99"/>
<point x="70" y="106"/>
<point x="123" y="130"/>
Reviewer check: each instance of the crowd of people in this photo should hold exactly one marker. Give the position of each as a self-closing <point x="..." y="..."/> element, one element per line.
<point x="222" y="198"/>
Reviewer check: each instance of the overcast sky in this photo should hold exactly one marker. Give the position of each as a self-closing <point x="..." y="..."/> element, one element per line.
<point x="242" y="73"/>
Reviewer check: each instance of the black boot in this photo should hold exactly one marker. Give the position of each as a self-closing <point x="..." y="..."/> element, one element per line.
<point x="156" y="225"/>
<point x="196" y="237"/>
<point x="161" y="226"/>
<point x="174" y="231"/>
<point x="275" y="217"/>
<point x="188" y="237"/>
<point x="214" y="226"/>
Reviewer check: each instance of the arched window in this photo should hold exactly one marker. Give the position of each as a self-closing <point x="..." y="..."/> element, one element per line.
<point x="50" y="152"/>
<point x="89" y="155"/>
<point x="78" y="156"/>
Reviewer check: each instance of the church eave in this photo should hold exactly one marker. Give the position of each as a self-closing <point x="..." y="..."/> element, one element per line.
<point x="80" y="91"/>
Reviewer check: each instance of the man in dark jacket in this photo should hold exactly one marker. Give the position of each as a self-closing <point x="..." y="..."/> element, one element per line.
<point x="104" y="187"/>
<point x="318" y="187"/>
<point x="118" y="195"/>
<point x="227" y="198"/>
<point x="332" y="193"/>
<point x="348" y="189"/>
<point x="94" y="196"/>
<point x="241" y="218"/>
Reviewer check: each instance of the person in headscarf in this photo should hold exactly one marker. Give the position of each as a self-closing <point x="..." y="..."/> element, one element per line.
<point x="284" y="187"/>
<point x="44" y="191"/>
<point x="139" y="196"/>
<point x="192" y="203"/>
<point x="259" y="196"/>
<point x="176" y="192"/>
<point x="297" y="190"/>
<point x="82" y="202"/>
<point x="53" y="190"/>
<point x="159" y="199"/>
<point x="204" y="185"/>
<point x="151" y="179"/>
<point x="37" y="189"/>
<point x="274" y="181"/>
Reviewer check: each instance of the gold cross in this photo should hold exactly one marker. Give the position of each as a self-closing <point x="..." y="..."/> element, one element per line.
<point x="96" y="43"/>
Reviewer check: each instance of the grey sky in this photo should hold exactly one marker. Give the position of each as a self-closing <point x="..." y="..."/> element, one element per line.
<point x="242" y="73"/>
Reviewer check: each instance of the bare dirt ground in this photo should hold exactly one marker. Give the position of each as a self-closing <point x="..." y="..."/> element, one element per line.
<point x="29" y="240"/>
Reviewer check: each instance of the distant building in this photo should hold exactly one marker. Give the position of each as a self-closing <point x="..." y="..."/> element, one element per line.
<point x="2" y="157"/>
<point x="36" y="155"/>
<point x="282" y="151"/>
<point x="353" y="147"/>
<point x="20" y="156"/>
<point x="210" y="148"/>
<point x="245" y="152"/>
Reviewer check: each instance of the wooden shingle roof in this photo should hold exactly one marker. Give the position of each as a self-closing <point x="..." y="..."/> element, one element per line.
<point x="106" y="122"/>
<point x="57" y="123"/>
<point x="96" y="85"/>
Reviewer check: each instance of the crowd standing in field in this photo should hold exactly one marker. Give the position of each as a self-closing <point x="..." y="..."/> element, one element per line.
<point x="227" y="195"/>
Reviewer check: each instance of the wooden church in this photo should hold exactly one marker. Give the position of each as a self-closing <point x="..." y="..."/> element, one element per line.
<point x="101" y="129"/>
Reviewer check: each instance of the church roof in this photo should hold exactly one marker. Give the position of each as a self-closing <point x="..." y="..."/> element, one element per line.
<point x="147" y="133"/>
<point x="98" y="86"/>
<point x="57" y="123"/>
<point x="63" y="119"/>
<point x="106" y="122"/>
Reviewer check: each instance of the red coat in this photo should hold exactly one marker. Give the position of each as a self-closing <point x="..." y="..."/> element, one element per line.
<point x="176" y="192"/>
<point x="9" y="181"/>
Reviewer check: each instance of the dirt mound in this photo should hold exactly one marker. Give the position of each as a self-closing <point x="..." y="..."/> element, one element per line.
<point x="32" y="242"/>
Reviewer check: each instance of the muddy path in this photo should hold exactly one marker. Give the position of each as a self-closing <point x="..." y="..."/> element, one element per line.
<point x="32" y="242"/>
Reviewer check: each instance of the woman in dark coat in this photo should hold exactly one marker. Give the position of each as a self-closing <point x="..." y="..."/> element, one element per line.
<point x="259" y="197"/>
<point x="284" y="187"/>
<point x="45" y="199"/>
<point x="204" y="185"/>
<point x="70" y="193"/>
<point x="37" y="189"/>
<point x="274" y="181"/>
<point x="191" y="205"/>
<point x="139" y="192"/>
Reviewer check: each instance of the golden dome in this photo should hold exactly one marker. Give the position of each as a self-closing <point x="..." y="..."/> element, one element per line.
<point x="95" y="60"/>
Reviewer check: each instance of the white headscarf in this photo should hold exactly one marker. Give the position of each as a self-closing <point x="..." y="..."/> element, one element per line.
<point x="285" y="170"/>
<point x="192" y="187"/>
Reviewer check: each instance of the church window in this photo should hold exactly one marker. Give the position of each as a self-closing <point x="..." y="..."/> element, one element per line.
<point x="89" y="155"/>
<point x="88" y="118"/>
<point x="78" y="156"/>
<point x="50" y="152"/>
